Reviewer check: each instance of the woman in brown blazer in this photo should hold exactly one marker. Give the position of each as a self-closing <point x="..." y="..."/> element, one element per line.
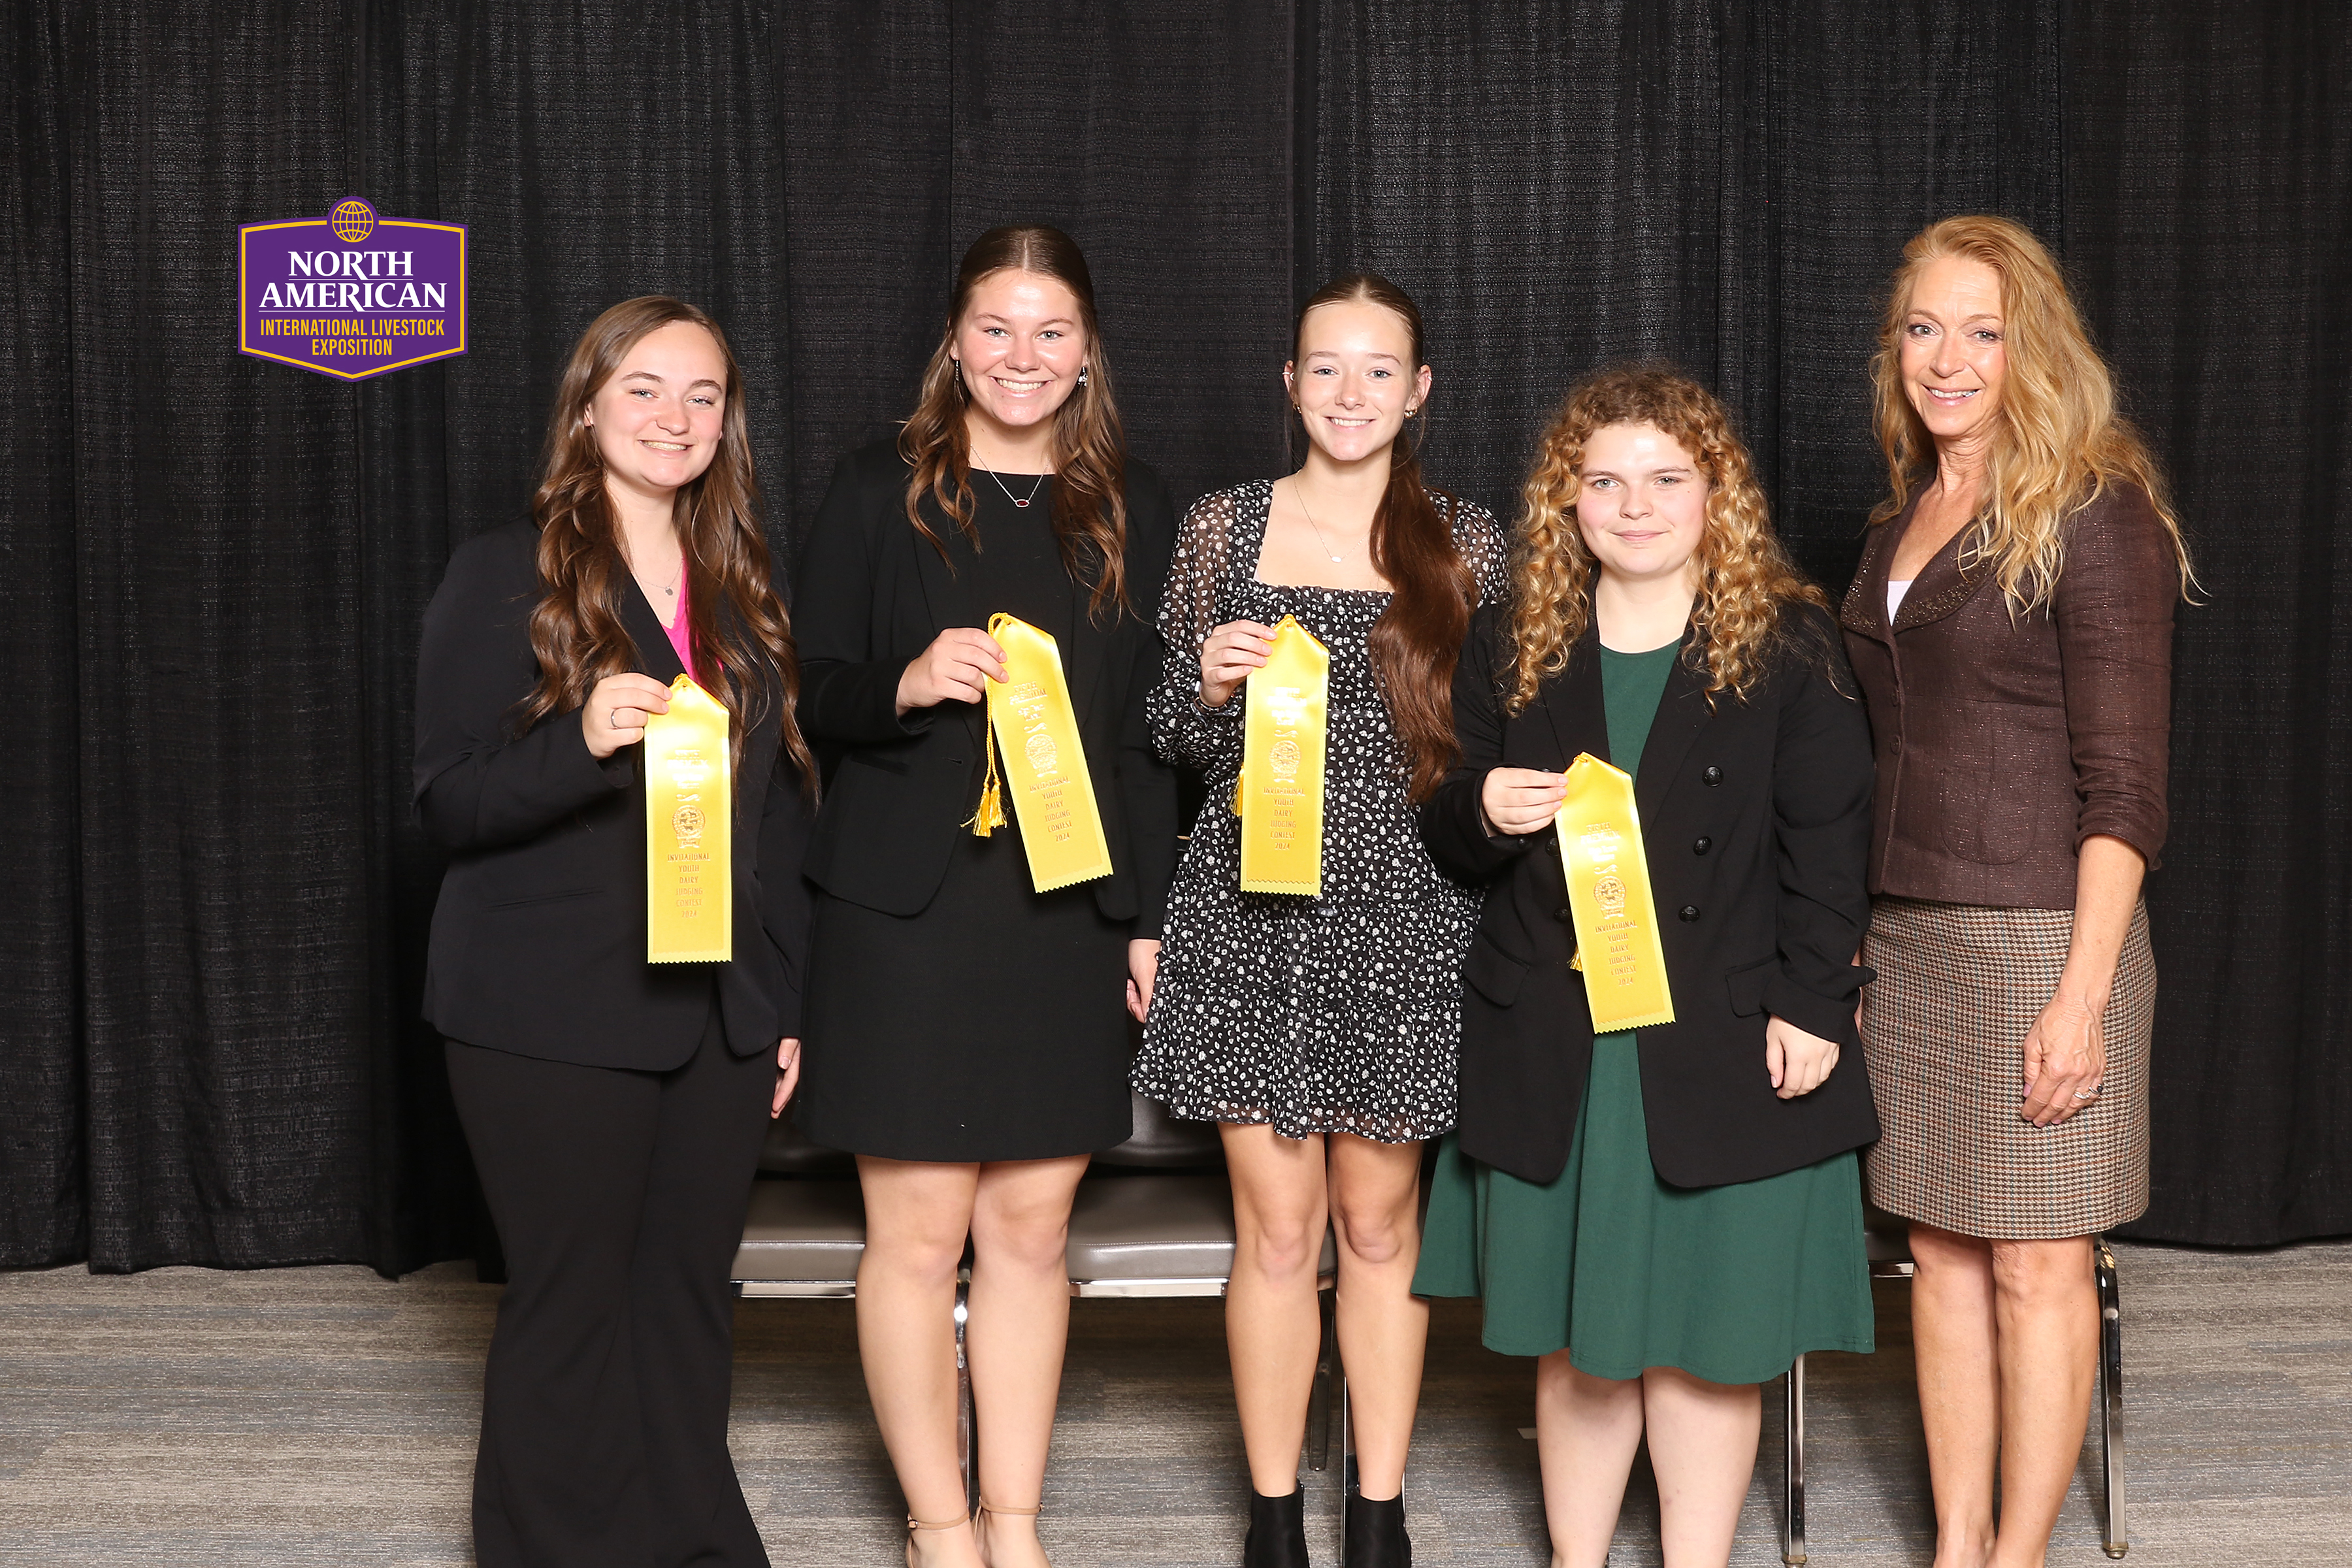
<point x="2012" y="627"/>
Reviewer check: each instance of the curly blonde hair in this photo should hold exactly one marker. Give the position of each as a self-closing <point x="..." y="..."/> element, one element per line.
<point x="1745" y="579"/>
<point x="2060" y="441"/>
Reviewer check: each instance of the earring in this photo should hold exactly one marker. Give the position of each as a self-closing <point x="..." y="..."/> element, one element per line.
<point x="1082" y="376"/>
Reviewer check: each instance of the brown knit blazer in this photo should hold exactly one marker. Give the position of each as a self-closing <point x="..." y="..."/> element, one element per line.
<point x="2004" y="741"/>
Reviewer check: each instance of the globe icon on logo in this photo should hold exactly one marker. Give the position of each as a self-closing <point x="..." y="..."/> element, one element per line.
<point x="353" y="220"/>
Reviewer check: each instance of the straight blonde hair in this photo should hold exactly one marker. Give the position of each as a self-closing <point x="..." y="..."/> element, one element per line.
<point x="2060" y="441"/>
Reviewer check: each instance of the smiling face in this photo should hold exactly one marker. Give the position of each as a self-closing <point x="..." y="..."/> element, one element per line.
<point x="1354" y="378"/>
<point x="657" y="419"/>
<point x="1954" y="358"/>
<point x="1641" y="502"/>
<point x="1022" y="341"/>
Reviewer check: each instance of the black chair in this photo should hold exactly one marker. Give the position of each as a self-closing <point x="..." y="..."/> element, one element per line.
<point x="1889" y="1240"/>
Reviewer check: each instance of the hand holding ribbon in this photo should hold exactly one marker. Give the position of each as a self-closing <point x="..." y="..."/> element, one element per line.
<point x="1520" y="801"/>
<point x="960" y="663"/>
<point x="1228" y="655"/>
<point x="614" y="715"/>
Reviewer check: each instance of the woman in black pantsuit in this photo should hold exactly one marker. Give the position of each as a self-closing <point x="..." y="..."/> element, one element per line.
<point x="965" y="1034"/>
<point x="614" y="1107"/>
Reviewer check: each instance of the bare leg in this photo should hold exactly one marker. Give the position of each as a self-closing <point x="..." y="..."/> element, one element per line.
<point x="1272" y="1326"/>
<point x="2046" y="1308"/>
<point x="1020" y="1324"/>
<point x="1952" y="1332"/>
<point x="1383" y="1327"/>
<point x="1587" y="1430"/>
<point x="1703" y="1450"/>
<point x="916" y="1215"/>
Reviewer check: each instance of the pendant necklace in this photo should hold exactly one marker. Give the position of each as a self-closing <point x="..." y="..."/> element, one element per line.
<point x="1298" y="494"/>
<point x="1020" y="502"/>
<point x="669" y="591"/>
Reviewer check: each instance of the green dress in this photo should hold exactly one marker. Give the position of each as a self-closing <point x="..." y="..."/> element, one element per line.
<point x="1624" y="1272"/>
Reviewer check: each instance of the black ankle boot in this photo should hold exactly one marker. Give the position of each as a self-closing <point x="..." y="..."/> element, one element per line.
<point x="1277" y="1532"/>
<point x="1376" y="1537"/>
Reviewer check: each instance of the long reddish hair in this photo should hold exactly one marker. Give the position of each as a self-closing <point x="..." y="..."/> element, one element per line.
<point x="1418" y="638"/>
<point x="576" y="630"/>
<point x="1089" y="443"/>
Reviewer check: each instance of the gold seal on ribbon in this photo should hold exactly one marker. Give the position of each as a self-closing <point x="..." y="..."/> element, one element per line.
<point x="1033" y="730"/>
<point x="1609" y="896"/>
<point x="1279" y="796"/>
<point x="689" y="815"/>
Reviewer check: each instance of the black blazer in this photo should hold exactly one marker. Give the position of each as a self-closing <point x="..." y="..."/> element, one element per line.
<point x="871" y="594"/>
<point x="1756" y="821"/>
<point x="539" y="939"/>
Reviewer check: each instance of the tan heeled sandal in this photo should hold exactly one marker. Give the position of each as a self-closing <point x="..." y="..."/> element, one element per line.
<point x="988" y="1507"/>
<point x="914" y="1524"/>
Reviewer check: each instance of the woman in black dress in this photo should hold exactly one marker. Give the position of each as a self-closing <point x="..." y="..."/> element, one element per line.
<point x="1321" y="1030"/>
<point x="966" y="1038"/>
<point x="614" y="1106"/>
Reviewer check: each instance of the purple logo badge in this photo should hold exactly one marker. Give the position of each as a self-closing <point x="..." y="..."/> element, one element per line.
<point x="352" y="294"/>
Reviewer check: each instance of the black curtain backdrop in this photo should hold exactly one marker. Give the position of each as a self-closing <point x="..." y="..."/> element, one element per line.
<point x="214" y="565"/>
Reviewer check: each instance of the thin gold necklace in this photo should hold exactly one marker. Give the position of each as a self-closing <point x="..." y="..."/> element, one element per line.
<point x="1298" y="494"/>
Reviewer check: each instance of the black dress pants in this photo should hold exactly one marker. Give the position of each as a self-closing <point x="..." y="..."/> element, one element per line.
<point x="619" y="1198"/>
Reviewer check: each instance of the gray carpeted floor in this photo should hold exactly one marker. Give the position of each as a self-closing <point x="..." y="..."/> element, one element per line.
<point x="324" y="1416"/>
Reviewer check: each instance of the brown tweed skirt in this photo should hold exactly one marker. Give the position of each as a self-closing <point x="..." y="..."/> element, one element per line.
<point x="1943" y="1031"/>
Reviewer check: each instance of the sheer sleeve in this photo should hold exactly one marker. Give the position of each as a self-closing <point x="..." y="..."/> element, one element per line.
<point x="1184" y="732"/>
<point x="1483" y="550"/>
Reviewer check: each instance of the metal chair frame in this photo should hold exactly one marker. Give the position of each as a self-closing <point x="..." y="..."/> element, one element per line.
<point x="2111" y="1541"/>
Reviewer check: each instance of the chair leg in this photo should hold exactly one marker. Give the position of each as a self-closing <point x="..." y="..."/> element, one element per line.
<point x="967" y="1426"/>
<point x="1348" y="1477"/>
<point x="2111" y="1396"/>
<point x="1792" y="1491"/>
<point x="1319" y="1402"/>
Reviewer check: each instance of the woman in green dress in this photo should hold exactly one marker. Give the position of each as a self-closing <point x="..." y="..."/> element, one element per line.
<point x="1668" y="1215"/>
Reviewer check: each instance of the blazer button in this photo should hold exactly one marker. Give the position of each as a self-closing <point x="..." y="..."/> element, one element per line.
<point x="1565" y="913"/>
<point x="1690" y="911"/>
<point x="1701" y="845"/>
<point x="1714" y="775"/>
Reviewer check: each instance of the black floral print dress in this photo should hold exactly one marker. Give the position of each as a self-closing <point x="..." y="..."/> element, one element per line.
<point x="1337" y="1014"/>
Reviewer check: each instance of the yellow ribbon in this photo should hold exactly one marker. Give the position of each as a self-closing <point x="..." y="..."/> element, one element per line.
<point x="1609" y="895"/>
<point x="1279" y="795"/>
<point x="1032" y="723"/>
<point x="689" y="815"/>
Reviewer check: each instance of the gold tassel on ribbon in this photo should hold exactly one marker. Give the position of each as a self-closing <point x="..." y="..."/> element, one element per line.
<point x="1043" y="765"/>
<point x="1609" y="895"/>
<point x="1279" y="795"/>
<point x="689" y="815"/>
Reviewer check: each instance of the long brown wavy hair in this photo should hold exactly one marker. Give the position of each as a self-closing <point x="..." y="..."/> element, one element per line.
<point x="1745" y="579"/>
<point x="1417" y="639"/>
<point x="576" y="630"/>
<point x="2060" y="441"/>
<point x="1089" y="443"/>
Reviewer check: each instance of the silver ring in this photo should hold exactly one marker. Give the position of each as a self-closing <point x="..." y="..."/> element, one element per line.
<point x="2090" y="1093"/>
